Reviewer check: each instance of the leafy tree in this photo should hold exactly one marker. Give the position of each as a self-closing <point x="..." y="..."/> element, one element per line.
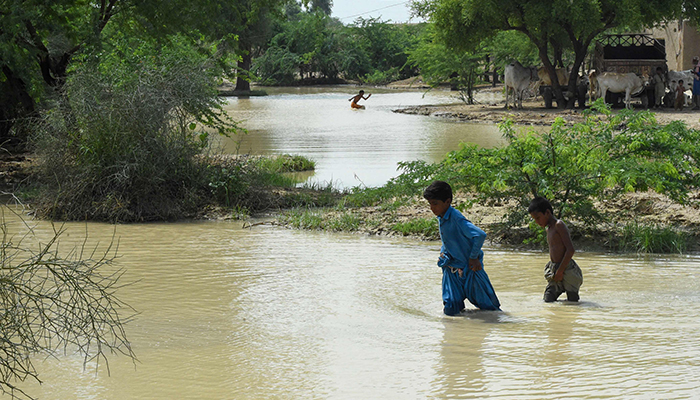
<point x="40" y="39"/>
<point x="311" y="46"/>
<point x="123" y="142"/>
<point x="439" y="65"/>
<point x="386" y="44"/>
<point x="547" y="24"/>
<point x="252" y="22"/>
<point x="324" y="6"/>
<point x="574" y="166"/>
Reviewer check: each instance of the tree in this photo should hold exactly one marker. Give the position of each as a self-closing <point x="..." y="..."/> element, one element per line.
<point x="549" y="25"/>
<point x="252" y="21"/>
<point x="52" y="302"/>
<point x="575" y="166"/>
<point x="40" y="40"/>
<point x="387" y="44"/>
<point x="437" y="65"/>
<point x="324" y="6"/>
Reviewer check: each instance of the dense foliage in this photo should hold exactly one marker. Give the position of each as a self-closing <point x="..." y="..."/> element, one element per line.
<point x="577" y="167"/>
<point x="464" y="69"/>
<point x="121" y="144"/>
<point x="551" y="25"/>
<point x="313" y="47"/>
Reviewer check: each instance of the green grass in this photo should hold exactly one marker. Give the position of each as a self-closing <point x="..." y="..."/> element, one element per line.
<point x="318" y="219"/>
<point x="426" y="227"/>
<point x="652" y="238"/>
<point x="302" y="219"/>
<point x="287" y="163"/>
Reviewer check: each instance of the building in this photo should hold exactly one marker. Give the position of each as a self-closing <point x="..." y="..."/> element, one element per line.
<point x="682" y="41"/>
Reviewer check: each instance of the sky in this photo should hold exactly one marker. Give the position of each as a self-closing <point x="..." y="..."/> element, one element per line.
<point x="395" y="10"/>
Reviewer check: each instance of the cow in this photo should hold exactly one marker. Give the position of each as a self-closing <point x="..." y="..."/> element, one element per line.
<point x="616" y="82"/>
<point x="518" y="79"/>
<point x="543" y="75"/>
<point x="592" y="84"/>
<point x="672" y="78"/>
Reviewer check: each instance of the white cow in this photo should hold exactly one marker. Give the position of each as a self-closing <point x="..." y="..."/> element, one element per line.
<point x="616" y="82"/>
<point x="518" y="79"/>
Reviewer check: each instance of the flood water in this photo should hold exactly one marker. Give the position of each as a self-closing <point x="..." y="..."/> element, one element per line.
<point x="351" y="147"/>
<point x="263" y="312"/>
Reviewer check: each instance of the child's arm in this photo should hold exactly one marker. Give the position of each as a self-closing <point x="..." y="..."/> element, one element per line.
<point x="563" y="232"/>
<point x="477" y="237"/>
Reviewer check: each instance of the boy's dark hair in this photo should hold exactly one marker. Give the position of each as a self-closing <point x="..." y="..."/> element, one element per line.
<point x="438" y="190"/>
<point x="540" y="204"/>
<point x="362" y="91"/>
<point x="680" y="81"/>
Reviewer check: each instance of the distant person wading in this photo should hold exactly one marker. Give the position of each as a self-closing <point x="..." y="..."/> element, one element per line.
<point x="358" y="97"/>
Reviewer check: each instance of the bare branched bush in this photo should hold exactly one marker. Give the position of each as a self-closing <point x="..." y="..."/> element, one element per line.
<point x="53" y="303"/>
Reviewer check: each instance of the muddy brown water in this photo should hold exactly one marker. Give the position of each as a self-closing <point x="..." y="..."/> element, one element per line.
<point x="351" y="147"/>
<point x="227" y="312"/>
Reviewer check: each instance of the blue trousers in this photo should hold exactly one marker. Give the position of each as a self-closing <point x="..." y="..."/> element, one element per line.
<point x="473" y="286"/>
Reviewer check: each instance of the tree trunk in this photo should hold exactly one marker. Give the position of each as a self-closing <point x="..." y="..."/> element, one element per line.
<point x="243" y="79"/>
<point x="15" y="103"/>
<point x="549" y="67"/>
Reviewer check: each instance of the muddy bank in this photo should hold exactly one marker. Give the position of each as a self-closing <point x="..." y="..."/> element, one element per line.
<point x="490" y="108"/>
<point x="648" y="208"/>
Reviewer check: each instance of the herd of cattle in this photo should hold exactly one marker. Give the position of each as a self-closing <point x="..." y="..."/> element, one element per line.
<point x="519" y="80"/>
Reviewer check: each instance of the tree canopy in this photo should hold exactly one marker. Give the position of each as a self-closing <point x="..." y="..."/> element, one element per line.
<point x="551" y="25"/>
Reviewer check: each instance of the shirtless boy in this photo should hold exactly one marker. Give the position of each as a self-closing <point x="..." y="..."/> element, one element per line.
<point x="562" y="272"/>
<point x="357" y="98"/>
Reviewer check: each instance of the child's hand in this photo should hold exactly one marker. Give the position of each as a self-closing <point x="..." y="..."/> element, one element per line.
<point x="475" y="264"/>
<point x="558" y="276"/>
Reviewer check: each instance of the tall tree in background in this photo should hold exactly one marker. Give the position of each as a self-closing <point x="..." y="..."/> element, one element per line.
<point x="549" y="24"/>
<point x="39" y="39"/>
<point x="324" y="6"/>
<point x="253" y="19"/>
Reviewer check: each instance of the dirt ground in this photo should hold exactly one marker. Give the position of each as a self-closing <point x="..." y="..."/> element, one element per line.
<point x="490" y="108"/>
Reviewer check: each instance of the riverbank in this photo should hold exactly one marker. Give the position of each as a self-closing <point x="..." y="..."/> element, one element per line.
<point x="490" y="108"/>
<point x="648" y="210"/>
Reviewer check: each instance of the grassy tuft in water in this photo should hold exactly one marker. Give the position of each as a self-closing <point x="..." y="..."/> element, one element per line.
<point x="287" y="163"/>
<point x="314" y="220"/>
<point x="426" y="227"/>
<point x="652" y="238"/>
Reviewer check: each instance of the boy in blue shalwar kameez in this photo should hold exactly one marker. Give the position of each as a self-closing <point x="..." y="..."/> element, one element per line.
<point x="461" y="258"/>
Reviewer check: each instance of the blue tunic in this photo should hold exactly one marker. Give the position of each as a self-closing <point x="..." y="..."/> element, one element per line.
<point x="462" y="240"/>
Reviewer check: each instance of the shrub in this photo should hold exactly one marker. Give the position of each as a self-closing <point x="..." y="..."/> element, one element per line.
<point x="601" y="158"/>
<point x="121" y="145"/>
<point x="652" y="238"/>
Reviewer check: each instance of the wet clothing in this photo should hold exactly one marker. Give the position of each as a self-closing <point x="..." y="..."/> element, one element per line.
<point x="573" y="279"/>
<point x="462" y="240"/>
<point x="355" y="105"/>
<point x="696" y="80"/>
